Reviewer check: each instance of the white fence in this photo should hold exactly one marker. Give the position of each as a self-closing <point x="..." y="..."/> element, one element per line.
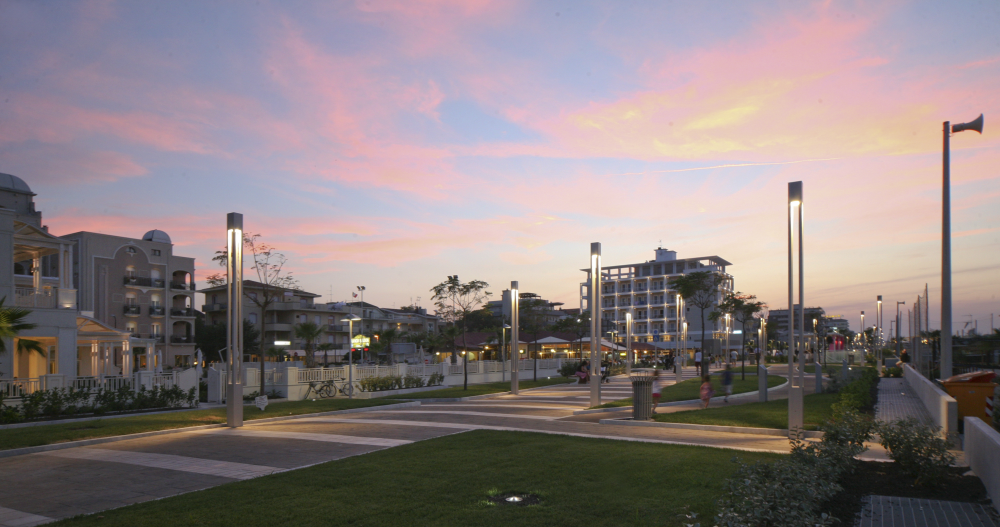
<point x="18" y="387"/>
<point x="982" y="452"/>
<point x="942" y="407"/>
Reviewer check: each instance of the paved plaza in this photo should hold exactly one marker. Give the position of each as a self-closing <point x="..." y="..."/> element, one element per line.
<point x="896" y="401"/>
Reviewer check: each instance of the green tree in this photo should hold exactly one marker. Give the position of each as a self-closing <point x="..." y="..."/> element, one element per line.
<point x="325" y="348"/>
<point x="700" y="289"/>
<point x="743" y="309"/>
<point x="309" y="332"/>
<point x="273" y="280"/>
<point x="12" y="324"/>
<point x="532" y="318"/>
<point x="385" y="340"/>
<point x="579" y="326"/>
<point x="455" y="301"/>
<point x="211" y="339"/>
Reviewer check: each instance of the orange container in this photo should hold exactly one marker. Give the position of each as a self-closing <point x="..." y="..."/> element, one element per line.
<point x="971" y="396"/>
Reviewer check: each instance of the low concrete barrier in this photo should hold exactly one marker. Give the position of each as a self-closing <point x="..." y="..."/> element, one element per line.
<point x="942" y="407"/>
<point x="982" y="452"/>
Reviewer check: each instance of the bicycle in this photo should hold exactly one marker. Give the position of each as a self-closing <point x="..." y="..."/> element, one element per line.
<point x="326" y="389"/>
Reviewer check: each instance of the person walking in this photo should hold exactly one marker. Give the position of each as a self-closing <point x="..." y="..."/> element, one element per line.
<point x="697" y="359"/>
<point x="727" y="383"/>
<point x="707" y="392"/>
<point x="657" y="387"/>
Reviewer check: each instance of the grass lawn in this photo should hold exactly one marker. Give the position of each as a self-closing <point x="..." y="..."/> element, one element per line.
<point x="772" y="414"/>
<point x="482" y="389"/>
<point x="691" y="390"/>
<point x="60" y="433"/>
<point x="446" y="481"/>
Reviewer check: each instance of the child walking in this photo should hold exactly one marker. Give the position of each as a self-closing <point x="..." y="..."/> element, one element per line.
<point x="657" y="387"/>
<point x="707" y="392"/>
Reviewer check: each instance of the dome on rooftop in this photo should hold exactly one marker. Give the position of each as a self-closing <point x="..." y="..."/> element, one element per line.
<point x="9" y="182"/>
<point x="156" y="235"/>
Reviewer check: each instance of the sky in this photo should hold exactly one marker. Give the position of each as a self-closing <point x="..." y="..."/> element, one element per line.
<point x="393" y="143"/>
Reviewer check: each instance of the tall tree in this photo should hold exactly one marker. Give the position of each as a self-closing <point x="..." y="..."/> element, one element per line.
<point x="579" y="326"/>
<point x="12" y="324"/>
<point x="532" y="318"/>
<point x="271" y="274"/>
<point x="743" y="309"/>
<point x="309" y="332"/>
<point x="211" y="339"/>
<point x="701" y="290"/>
<point x="455" y="301"/>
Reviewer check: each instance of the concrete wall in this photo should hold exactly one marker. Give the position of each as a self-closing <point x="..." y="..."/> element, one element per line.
<point x="942" y="407"/>
<point x="982" y="452"/>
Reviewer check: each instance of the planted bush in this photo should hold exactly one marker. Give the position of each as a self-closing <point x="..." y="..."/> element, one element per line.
<point x="857" y="395"/>
<point x="568" y="369"/>
<point x="380" y="383"/>
<point x="893" y="372"/>
<point x="918" y="449"/>
<point x="436" y="379"/>
<point x="58" y="402"/>
<point x="413" y="381"/>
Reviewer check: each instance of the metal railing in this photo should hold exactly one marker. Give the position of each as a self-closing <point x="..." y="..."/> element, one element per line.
<point x="131" y="309"/>
<point x="142" y="281"/>
<point x="182" y="286"/>
<point x="215" y="307"/>
<point x="157" y="311"/>
<point x="40" y="298"/>
<point x="336" y="327"/>
<point x="182" y="312"/>
<point x="181" y="340"/>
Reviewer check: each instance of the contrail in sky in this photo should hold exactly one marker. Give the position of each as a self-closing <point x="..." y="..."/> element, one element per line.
<point x="733" y="165"/>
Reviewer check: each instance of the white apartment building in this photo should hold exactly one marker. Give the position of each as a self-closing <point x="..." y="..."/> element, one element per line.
<point x="643" y="289"/>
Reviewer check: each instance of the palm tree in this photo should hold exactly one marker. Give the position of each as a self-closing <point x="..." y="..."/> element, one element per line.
<point x="325" y="347"/>
<point x="309" y="332"/>
<point x="12" y="324"/>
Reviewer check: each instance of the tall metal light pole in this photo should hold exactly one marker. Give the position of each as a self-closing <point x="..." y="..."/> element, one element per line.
<point x="862" y="333"/>
<point x="503" y="352"/>
<point x="878" y="335"/>
<point x="899" y="344"/>
<point x="628" y="341"/>
<point x="946" y="329"/>
<point x="796" y="386"/>
<point x="515" y="349"/>
<point x="595" y="323"/>
<point x="234" y="319"/>
<point x="350" y="357"/>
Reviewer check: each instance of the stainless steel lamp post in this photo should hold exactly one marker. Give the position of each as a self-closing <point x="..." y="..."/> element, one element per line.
<point x="595" y="324"/>
<point x="796" y="387"/>
<point x="350" y="357"/>
<point x="234" y="319"/>
<point x="515" y="349"/>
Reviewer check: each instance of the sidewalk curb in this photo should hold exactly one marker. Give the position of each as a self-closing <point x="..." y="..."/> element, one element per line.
<point x="676" y="403"/>
<point x="112" y="439"/>
<point x="778" y="432"/>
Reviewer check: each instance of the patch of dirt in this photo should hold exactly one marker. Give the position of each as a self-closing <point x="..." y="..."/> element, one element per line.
<point x="525" y="499"/>
<point x="887" y="479"/>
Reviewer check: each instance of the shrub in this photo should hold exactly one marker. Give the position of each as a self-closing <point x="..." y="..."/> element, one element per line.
<point x="857" y="395"/>
<point x="918" y="449"/>
<point x="436" y="379"/>
<point x="785" y="492"/>
<point x="384" y="382"/>
<point x="568" y="368"/>
<point x="413" y="381"/>
<point x="893" y="372"/>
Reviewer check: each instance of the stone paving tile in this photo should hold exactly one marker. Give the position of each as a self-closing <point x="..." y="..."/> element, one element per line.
<point x="891" y="511"/>
<point x="209" y="467"/>
<point x="299" y="425"/>
<point x="897" y="401"/>
<point x="15" y="518"/>
<point x="278" y="453"/>
<point x="59" y="487"/>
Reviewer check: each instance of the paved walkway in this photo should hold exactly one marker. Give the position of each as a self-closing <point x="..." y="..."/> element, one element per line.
<point x="890" y="511"/>
<point x="896" y="402"/>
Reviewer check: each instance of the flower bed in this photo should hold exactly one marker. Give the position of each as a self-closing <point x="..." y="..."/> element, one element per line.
<point x="62" y="402"/>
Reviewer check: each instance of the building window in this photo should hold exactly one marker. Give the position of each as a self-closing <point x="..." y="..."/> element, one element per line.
<point x="253" y="296"/>
<point x="131" y="250"/>
<point x="316" y="320"/>
<point x="156" y="330"/>
<point x="156" y="252"/>
<point x="130" y="327"/>
<point x="253" y="318"/>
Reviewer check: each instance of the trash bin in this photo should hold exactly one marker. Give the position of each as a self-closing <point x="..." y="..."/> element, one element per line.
<point x="642" y="394"/>
<point x="971" y="391"/>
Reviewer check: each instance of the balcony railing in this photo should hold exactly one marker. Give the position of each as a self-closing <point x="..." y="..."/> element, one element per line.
<point x="215" y="307"/>
<point x="182" y="286"/>
<point x="336" y="327"/>
<point x="181" y="340"/>
<point x="155" y="337"/>
<point x="47" y="298"/>
<point x="131" y="310"/>
<point x="182" y="312"/>
<point x="139" y="281"/>
<point x="157" y="311"/>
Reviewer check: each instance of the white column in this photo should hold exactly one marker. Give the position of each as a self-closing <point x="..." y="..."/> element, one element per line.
<point x="36" y="272"/>
<point x="149" y="357"/>
<point x="94" y="367"/>
<point x="126" y="359"/>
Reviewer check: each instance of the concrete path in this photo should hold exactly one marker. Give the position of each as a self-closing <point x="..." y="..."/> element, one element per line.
<point x="896" y="402"/>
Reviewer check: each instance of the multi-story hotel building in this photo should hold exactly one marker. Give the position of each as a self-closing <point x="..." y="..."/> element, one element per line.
<point x="643" y="289"/>
<point x="139" y="286"/>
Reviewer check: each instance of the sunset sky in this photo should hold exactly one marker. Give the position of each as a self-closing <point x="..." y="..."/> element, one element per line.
<point x="392" y="143"/>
